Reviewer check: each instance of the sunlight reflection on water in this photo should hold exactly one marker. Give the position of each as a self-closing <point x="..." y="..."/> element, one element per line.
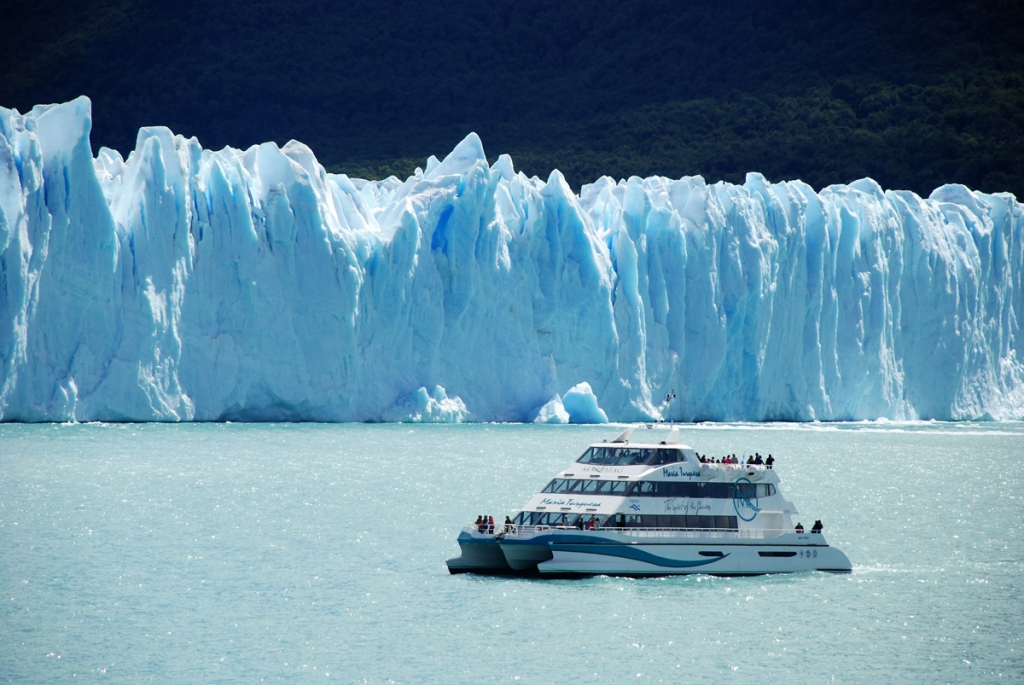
<point x="237" y="552"/>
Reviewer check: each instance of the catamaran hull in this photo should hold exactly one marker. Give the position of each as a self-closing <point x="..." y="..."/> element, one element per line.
<point x="671" y="559"/>
<point x="480" y="554"/>
<point x="526" y="555"/>
<point x="586" y="554"/>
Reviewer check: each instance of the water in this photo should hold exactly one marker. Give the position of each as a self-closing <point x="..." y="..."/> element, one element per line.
<point x="315" y="554"/>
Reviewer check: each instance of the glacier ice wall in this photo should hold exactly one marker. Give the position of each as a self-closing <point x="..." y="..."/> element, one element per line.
<point x="189" y="284"/>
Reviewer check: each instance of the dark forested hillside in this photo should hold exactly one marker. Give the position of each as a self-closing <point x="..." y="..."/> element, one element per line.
<point x="914" y="94"/>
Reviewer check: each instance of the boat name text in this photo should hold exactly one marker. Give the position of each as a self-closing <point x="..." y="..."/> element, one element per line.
<point x="676" y="472"/>
<point x="568" y="502"/>
<point x="602" y="469"/>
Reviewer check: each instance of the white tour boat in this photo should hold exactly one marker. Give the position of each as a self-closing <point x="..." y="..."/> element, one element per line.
<point x="650" y="509"/>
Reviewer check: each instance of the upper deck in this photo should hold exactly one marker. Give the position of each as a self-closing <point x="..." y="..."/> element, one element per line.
<point x="658" y="460"/>
<point x="658" y="484"/>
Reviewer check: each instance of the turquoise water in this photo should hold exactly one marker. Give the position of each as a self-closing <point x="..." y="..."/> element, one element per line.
<point x="315" y="554"/>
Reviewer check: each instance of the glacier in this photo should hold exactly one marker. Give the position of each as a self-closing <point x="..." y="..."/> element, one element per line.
<point x="185" y="284"/>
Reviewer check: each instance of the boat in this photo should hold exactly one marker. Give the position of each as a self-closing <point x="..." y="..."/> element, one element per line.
<point x="651" y="508"/>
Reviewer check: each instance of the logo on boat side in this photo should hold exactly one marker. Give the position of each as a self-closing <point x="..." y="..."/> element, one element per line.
<point x="744" y="499"/>
<point x="686" y="506"/>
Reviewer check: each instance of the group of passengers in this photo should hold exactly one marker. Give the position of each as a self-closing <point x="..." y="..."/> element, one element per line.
<point x="816" y="528"/>
<point x="578" y="524"/>
<point x="733" y="459"/>
<point x="485" y="524"/>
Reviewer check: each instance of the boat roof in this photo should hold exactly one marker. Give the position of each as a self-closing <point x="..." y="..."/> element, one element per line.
<point x="623" y="439"/>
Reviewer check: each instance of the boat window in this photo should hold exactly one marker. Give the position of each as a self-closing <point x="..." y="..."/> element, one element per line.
<point x="630" y="456"/>
<point x="671" y="521"/>
<point x="642" y="489"/>
<point x="745" y="490"/>
<point x="620" y="456"/>
<point x="595" y="455"/>
<point x="558" y="485"/>
<point x="652" y="488"/>
<point x="648" y="455"/>
<point x="664" y="457"/>
<point x="700" y="490"/>
<point x="530" y="518"/>
<point x="615" y="487"/>
<point x="548" y="518"/>
<point x="615" y="521"/>
<point x="617" y="457"/>
<point x="725" y="522"/>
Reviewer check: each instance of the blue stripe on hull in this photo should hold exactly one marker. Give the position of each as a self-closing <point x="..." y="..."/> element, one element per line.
<point x="628" y="552"/>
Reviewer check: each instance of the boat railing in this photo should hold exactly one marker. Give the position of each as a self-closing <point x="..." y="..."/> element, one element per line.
<point x="723" y="533"/>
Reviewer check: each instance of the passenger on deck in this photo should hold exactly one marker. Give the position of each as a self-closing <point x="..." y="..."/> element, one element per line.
<point x="759" y="460"/>
<point x="579" y="523"/>
<point x="799" y="527"/>
<point x="490" y="525"/>
<point x="479" y="524"/>
<point x="750" y="460"/>
<point x="769" y="461"/>
<point x="816" y="528"/>
<point x="508" y="524"/>
<point x="590" y="523"/>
